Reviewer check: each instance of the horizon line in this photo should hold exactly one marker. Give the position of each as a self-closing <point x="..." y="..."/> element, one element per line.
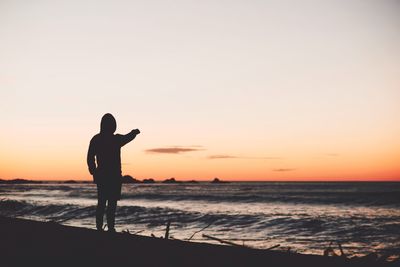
<point x="224" y="180"/>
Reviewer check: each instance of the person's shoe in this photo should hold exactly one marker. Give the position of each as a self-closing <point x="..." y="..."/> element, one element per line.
<point x="100" y="227"/>
<point x="111" y="230"/>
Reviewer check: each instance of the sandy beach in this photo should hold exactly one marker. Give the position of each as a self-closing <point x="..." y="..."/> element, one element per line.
<point x="33" y="243"/>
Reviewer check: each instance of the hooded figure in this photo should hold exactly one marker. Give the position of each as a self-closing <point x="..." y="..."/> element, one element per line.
<point x="104" y="162"/>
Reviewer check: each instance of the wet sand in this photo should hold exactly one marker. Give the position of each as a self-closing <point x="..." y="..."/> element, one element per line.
<point x="32" y="243"/>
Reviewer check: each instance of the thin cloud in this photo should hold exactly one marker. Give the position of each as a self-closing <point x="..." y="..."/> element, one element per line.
<point x="283" y="170"/>
<point x="173" y="149"/>
<point x="238" y="157"/>
<point x="222" y="157"/>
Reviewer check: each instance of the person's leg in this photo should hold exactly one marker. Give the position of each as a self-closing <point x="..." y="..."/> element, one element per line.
<point x="111" y="208"/>
<point x="101" y="206"/>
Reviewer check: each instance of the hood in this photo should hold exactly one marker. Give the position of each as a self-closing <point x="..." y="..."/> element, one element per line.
<point x="108" y="124"/>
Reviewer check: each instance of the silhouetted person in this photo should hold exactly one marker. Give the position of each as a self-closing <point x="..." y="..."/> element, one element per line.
<point x="104" y="162"/>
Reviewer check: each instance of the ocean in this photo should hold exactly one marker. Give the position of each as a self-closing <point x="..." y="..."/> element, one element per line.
<point x="304" y="216"/>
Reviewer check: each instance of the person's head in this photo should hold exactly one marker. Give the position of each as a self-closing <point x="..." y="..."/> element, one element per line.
<point x="108" y="124"/>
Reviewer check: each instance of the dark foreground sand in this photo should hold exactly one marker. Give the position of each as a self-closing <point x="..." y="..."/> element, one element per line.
<point x="31" y="243"/>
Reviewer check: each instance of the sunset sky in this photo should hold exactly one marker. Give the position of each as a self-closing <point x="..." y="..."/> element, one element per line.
<point x="240" y="90"/>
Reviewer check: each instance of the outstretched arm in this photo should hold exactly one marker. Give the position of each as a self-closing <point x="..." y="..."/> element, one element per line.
<point x="124" y="139"/>
<point x="91" y="158"/>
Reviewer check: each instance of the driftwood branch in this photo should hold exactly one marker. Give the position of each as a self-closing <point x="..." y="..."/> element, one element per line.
<point x="223" y="241"/>
<point x="167" y="230"/>
<point x="201" y="230"/>
<point x="138" y="232"/>
<point x="341" y="250"/>
<point x="270" y="248"/>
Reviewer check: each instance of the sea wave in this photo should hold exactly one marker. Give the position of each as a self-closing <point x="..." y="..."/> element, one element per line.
<point x="306" y="216"/>
<point x="374" y="194"/>
<point x="157" y="216"/>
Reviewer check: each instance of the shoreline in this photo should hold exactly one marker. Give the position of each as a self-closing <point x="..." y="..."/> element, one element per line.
<point x="32" y="243"/>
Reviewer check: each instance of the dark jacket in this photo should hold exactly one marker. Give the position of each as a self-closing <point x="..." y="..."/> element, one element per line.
<point x="104" y="154"/>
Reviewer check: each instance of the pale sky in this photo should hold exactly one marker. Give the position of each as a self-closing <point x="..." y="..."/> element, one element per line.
<point x="232" y="89"/>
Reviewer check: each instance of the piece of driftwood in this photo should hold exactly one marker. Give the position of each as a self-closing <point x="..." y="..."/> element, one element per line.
<point x="270" y="248"/>
<point x="371" y="258"/>
<point x="200" y="230"/>
<point x="330" y="252"/>
<point x="341" y="251"/>
<point x="223" y="241"/>
<point x="167" y="230"/>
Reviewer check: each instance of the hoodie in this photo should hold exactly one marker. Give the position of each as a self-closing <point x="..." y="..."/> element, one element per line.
<point x="104" y="153"/>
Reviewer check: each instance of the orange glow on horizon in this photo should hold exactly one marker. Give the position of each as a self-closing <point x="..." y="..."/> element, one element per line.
<point x="292" y="164"/>
<point x="357" y="163"/>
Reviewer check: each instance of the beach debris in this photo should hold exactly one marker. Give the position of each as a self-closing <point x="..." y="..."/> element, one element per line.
<point x="167" y="230"/>
<point x="126" y="231"/>
<point x="138" y="232"/>
<point x="371" y="258"/>
<point x="275" y="246"/>
<point x="223" y="241"/>
<point x="330" y="252"/>
<point x="201" y="230"/>
<point x="341" y="251"/>
<point x="152" y="235"/>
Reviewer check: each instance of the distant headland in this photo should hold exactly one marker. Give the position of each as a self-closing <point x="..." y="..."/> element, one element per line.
<point x="20" y="181"/>
<point x="127" y="179"/>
